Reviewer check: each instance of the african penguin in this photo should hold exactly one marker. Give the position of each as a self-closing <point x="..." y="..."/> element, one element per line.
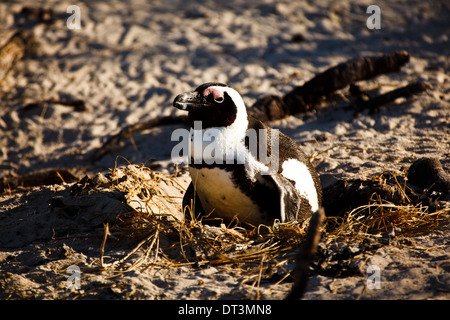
<point x="231" y="176"/>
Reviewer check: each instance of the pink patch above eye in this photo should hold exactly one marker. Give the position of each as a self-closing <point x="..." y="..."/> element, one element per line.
<point x="216" y="94"/>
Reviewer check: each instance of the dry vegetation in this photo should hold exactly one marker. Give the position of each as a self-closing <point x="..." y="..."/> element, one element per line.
<point x="161" y="238"/>
<point x="72" y="100"/>
<point x="171" y="240"/>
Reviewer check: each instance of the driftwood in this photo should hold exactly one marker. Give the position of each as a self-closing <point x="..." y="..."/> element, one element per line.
<point x="28" y="17"/>
<point x="373" y="104"/>
<point x="14" y="49"/>
<point x="304" y="98"/>
<point x="23" y="41"/>
<point x="39" y="178"/>
<point x="131" y="130"/>
<point x="76" y="104"/>
<point x="301" y="99"/>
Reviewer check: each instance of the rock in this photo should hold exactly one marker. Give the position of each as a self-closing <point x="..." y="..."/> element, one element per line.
<point x="427" y="173"/>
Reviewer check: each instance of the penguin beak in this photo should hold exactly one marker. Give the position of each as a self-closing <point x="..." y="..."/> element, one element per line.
<point x="188" y="101"/>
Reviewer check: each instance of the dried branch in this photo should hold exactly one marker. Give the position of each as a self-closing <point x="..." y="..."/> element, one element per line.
<point x="305" y="255"/>
<point x="303" y="98"/>
<point x="76" y="104"/>
<point x="14" y="50"/>
<point x="374" y="104"/>
<point x="300" y="99"/>
<point x="39" y="178"/>
<point x="131" y="130"/>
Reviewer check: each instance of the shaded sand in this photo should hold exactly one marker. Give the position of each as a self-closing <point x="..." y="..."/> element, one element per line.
<point x="127" y="63"/>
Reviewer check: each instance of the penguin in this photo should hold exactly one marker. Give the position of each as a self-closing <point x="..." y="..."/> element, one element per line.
<point x="241" y="169"/>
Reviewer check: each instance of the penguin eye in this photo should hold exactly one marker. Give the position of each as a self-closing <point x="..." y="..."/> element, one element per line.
<point x="212" y="94"/>
<point x="218" y="99"/>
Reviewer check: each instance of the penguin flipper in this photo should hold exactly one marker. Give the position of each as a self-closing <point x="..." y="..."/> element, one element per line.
<point x="293" y="206"/>
<point x="192" y="205"/>
<point x="289" y="198"/>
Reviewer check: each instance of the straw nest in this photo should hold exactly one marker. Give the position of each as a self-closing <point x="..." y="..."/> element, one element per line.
<point x="162" y="237"/>
<point x="393" y="207"/>
<point x="155" y="234"/>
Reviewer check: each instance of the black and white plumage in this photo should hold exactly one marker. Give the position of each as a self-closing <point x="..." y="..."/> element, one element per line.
<point x="245" y="188"/>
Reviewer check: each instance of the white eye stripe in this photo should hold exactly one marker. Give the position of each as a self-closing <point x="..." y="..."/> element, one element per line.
<point x="219" y="91"/>
<point x="217" y="94"/>
<point x="239" y="126"/>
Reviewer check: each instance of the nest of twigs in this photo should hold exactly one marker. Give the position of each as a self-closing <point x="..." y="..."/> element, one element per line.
<point x="162" y="238"/>
<point x="393" y="206"/>
<point x="378" y="218"/>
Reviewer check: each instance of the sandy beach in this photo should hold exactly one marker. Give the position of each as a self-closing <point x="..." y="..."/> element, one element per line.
<point x="74" y="89"/>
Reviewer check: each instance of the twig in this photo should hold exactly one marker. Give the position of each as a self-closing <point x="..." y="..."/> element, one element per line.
<point x="39" y="178"/>
<point x="77" y="104"/>
<point x="374" y="104"/>
<point x="300" y="99"/>
<point x="141" y="259"/>
<point x="306" y="254"/>
<point x="258" y="294"/>
<point x="131" y="130"/>
<point x="102" y="248"/>
<point x="136" y="248"/>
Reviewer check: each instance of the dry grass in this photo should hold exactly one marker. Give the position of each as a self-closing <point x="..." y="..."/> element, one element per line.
<point x="170" y="240"/>
<point x="381" y="218"/>
<point x="192" y="242"/>
<point x="407" y="216"/>
<point x="160" y="240"/>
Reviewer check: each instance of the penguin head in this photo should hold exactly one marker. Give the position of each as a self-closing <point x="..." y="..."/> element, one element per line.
<point x="214" y="104"/>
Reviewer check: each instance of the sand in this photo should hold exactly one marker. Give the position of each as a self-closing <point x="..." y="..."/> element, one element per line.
<point x="127" y="63"/>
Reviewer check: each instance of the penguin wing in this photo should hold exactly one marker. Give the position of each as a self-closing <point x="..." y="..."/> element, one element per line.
<point x="293" y="204"/>
<point x="290" y="198"/>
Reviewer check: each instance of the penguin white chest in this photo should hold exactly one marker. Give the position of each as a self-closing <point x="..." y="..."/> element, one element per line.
<point x="221" y="196"/>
